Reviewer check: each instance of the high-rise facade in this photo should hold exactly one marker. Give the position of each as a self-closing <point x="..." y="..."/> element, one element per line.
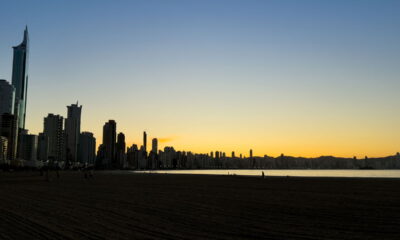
<point x="43" y="147"/>
<point x="87" y="148"/>
<point x="132" y="156"/>
<point x="145" y="142"/>
<point x="20" y="79"/>
<point x="3" y="149"/>
<point x="109" y="141"/>
<point x="7" y="97"/>
<point x="72" y="132"/>
<point x="120" y="151"/>
<point x="53" y="129"/>
<point x="154" y="145"/>
<point x="8" y="129"/>
<point x="27" y="146"/>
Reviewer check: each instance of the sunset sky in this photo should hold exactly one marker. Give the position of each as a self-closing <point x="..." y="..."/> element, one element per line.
<point x="303" y="78"/>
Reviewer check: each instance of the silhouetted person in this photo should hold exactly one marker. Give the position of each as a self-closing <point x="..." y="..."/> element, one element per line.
<point x="263" y="176"/>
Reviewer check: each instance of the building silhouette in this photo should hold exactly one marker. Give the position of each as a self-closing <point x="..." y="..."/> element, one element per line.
<point x="43" y="147"/>
<point x="8" y="129"/>
<point x="87" y="148"/>
<point x="132" y="156"/>
<point x="120" y="151"/>
<point x="27" y="146"/>
<point x="72" y="132"/>
<point x="101" y="157"/>
<point x="154" y="145"/>
<point x="142" y="158"/>
<point x="8" y="121"/>
<point x="145" y="142"/>
<point x="7" y="97"/>
<point x="53" y="129"/>
<point x="109" y="141"/>
<point x="20" y="78"/>
<point x="3" y="150"/>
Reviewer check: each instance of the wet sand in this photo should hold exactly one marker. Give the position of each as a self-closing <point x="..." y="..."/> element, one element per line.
<point x="159" y="206"/>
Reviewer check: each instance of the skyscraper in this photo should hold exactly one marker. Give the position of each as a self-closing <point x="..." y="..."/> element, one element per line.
<point x="251" y="153"/>
<point x="43" y="147"/>
<point x="145" y="142"/>
<point x="109" y="137"/>
<point x="72" y="132"/>
<point x="154" y="145"/>
<point x="8" y="129"/>
<point x="7" y="97"/>
<point x="28" y="146"/>
<point x="3" y="149"/>
<point x="53" y="129"/>
<point x="120" y="151"/>
<point x="132" y="156"/>
<point x="87" y="148"/>
<point x="20" y="78"/>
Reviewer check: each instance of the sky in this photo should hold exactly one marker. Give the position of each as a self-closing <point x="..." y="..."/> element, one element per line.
<point x="302" y="78"/>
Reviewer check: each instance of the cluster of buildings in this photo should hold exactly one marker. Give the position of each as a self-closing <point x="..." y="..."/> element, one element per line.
<point x="14" y="138"/>
<point x="114" y="154"/>
<point x="62" y="144"/>
<point x="61" y="141"/>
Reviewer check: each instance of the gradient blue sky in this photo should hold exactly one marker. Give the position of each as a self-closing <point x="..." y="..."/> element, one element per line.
<point x="296" y="77"/>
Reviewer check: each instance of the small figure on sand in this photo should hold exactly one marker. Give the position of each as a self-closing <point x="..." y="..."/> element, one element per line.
<point x="262" y="174"/>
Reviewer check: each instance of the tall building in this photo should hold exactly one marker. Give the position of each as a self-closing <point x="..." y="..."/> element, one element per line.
<point x="7" y="97"/>
<point x="53" y="129"/>
<point x="8" y="129"/>
<point x="101" y="157"/>
<point x="251" y="153"/>
<point x="87" y="148"/>
<point x="132" y="156"/>
<point x="72" y="132"/>
<point x="3" y="149"/>
<point x="145" y="142"/>
<point x="120" y="151"/>
<point x="233" y="154"/>
<point x="20" y="78"/>
<point x="43" y="147"/>
<point x="154" y="145"/>
<point x="27" y="146"/>
<point x="109" y="137"/>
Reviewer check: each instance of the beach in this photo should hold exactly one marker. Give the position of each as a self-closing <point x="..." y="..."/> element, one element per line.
<point x="124" y="205"/>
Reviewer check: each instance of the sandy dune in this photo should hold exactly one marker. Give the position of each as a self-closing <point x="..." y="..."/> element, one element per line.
<point x="129" y="206"/>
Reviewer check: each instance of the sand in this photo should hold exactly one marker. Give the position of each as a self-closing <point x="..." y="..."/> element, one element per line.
<point x="160" y="206"/>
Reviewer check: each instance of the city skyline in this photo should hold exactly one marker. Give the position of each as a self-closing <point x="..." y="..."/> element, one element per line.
<point x="272" y="98"/>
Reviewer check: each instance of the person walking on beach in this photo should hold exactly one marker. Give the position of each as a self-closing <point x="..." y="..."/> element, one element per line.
<point x="262" y="173"/>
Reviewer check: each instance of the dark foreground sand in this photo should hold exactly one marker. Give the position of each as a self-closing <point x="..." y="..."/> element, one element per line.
<point x="129" y="206"/>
